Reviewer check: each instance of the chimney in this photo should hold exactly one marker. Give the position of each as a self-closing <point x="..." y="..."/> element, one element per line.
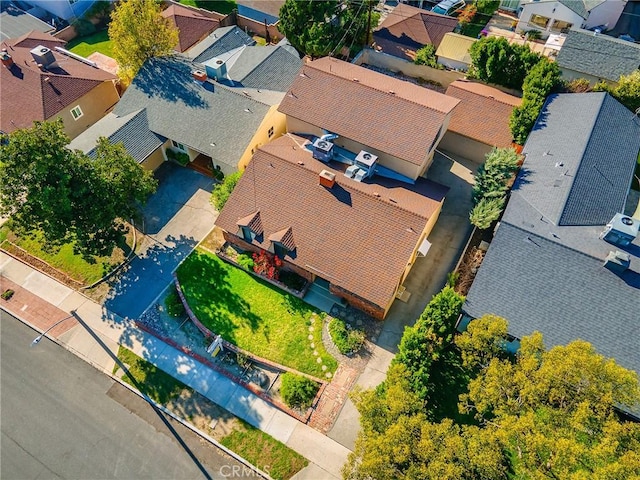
<point x="6" y="59"/>
<point x="327" y="178"/>
<point x="617" y="262"/>
<point x="199" y="75"/>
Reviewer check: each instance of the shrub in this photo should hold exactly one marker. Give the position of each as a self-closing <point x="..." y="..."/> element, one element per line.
<point x="493" y="175"/>
<point x="174" y="305"/>
<point x="344" y="338"/>
<point x="533" y="34"/>
<point x="488" y="7"/>
<point x="179" y="157"/>
<point x="297" y="391"/>
<point x="486" y="212"/>
<point x="467" y="15"/>
<point x="266" y="265"/>
<point x="83" y="27"/>
<point x="245" y="261"/>
<point x="7" y="294"/>
<point x="626" y="92"/>
<point x="578" y="85"/>
<point x="426" y="56"/>
<point x="222" y="191"/>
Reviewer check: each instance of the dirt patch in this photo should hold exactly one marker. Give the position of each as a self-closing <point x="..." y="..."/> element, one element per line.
<point x="471" y="261"/>
<point x="214" y="241"/>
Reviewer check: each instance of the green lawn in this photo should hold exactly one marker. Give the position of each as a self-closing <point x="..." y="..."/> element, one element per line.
<point x="264" y="451"/>
<point x="219" y="6"/>
<point x="474" y="28"/>
<point x="84" y="270"/>
<point x="97" y="42"/>
<point x="252" y="314"/>
<point x="148" y="378"/>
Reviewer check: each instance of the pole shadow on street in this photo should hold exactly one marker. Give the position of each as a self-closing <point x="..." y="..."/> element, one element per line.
<point x="137" y="385"/>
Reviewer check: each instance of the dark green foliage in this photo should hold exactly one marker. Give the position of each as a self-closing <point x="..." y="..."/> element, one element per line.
<point x="174" y="305"/>
<point x="245" y="261"/>
<point x="221" y="192"/>
<point x="292" y="280"/>
<point x="67" y="195"/>
<point x="181" y="158"/>
<point x="626" y="92"/>
<point x="486" y="212"/>
<point x="492" y="177"/>
<point x="297" y="391"/>
<point x="426" y="56"/>
<point x="495" y="60"/>
<point x="83" y="27"/>
<point x="345" y="339"/>
<point x="423" y="343"/>
<point x="487" y="6"/>
<point x="7" y="294"/>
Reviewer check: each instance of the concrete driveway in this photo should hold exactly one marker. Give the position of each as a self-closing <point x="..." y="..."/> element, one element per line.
<point x="176" y="218"/>
<point x="427" y="277"/>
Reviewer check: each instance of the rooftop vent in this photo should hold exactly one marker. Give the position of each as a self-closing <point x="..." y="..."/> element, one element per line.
<point x="327" y="178"/>
<point x="216" y="68"/>
<point x="322" y="150"/>
<point x="43" y="56"/>
<point x="621" y="230"/>
<point x="366" y="163"/>
<point x="199" y="75"/>
<point x="617" y="261"/>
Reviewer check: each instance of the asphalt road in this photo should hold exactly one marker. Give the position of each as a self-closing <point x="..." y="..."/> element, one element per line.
<point x="61" y="418"/>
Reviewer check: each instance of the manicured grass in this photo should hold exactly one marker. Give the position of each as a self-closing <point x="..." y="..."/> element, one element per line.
<point x="265" y="452"/>
<point x="252" y="314"/>
<point x="97" y="42"/>
<point x="474" y="28"/>
<point x="148" y="378"/>
<point x="219" y="6"/>
<point x="84" y="270"/>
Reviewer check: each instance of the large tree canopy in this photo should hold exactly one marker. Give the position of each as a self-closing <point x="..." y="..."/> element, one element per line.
<point x="66" y="194"/>
<point x="139" y="32"/>
<point x="320" y="27"/>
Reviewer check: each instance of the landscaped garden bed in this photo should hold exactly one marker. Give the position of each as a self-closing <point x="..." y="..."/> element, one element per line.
<point x="471" y="260"/>
<point x="254" y="315"/>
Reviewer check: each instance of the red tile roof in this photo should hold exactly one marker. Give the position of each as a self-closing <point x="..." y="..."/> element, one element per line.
<point x="383" y="112"/>
<point x="407" y="29"/>
<point x="359" y="236"/>
<point x="29" y="93"/>
<point x="483" y="112"/>
<point x="193" y="24"/>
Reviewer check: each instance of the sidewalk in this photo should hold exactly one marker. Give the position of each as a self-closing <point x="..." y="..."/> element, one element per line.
<point x="41" y="301"/>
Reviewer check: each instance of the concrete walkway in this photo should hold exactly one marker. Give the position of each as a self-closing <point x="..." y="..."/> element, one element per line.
<point x="99" y="332"/>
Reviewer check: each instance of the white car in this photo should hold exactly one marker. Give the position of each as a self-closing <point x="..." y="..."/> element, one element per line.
<point x="447" y="7"/>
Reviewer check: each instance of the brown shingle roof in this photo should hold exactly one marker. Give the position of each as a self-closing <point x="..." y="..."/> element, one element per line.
<point x="253" y="222"/>
<point x="192" y="24"/>
<point x="285" y="237"/>
<point x="483" y="112"/>
<point x="30" y="94"/>
<point x="408" y="28"/>
<point x="356" y="235"/>
<point x="385" y="113"/>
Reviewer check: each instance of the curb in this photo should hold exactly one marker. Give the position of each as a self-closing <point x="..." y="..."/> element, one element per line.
<point x="149" y="400"/>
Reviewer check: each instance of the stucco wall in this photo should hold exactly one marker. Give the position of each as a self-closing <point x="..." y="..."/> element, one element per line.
<point x="154" y="160"/>
<point x="606" y="13"/>
<point x="251" y="26"/>
<point x="395" y="64"/>
<point x="453" y="64"/>
<point x="465" y="147"/>
<point x="94" y="105"/>
<point x="551" y="10"/>
<point x="274" y="119"/>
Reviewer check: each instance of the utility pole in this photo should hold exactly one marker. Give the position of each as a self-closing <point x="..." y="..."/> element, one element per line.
<point x="366" y="41"/>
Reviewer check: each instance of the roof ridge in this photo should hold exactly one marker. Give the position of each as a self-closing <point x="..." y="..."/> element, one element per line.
<point x="452" y="85"/>
<point x="234" y="90"/>
<point x="260" y="62"/>
<point x="385" y="92"/>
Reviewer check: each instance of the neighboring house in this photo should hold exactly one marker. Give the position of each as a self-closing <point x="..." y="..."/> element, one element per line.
<point x="132" y="130"/>
<point x="407" y="29"/>
<point x="193" y="24"/>
<point x="68" y="10"/>
<point x="40" y="82"/>
<point x="399" y="122"/>
<point x="480" y="121"/>
<point x="453" y="51"/>
<point x="361" y="238"/>
<point x="556" y="16"/>
<point x="595" y="57"/>
<point x="221" y="41"/>
<point x="260" y="11"/>
<point x="15" y="22"/>
<point x="548" y="268"/>
<point x="195" y="115"/>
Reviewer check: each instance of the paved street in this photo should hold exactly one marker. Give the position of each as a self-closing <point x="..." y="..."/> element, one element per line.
<point x="176" y="218"/>
<point x="61" y="418"/>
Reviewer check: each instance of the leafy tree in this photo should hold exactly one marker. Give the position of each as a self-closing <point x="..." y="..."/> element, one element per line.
<point x="424" y="342"/>
<point x="221" y="191"/>
<point x="484" y="339"/>
<point x="139" y="32"/>
<point x="319" y="27"/>
<point x="494" y="174"/>
<point x="64" y="193"/>
<point x="486" y="211"/>
<point x="626" y="92"/>
<point x="426" y="56"/>
<point x="297" y="391"/>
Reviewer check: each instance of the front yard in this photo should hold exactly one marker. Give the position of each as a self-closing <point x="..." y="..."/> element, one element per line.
<point x="97" y="42"/>
<point x="254" y="315"/>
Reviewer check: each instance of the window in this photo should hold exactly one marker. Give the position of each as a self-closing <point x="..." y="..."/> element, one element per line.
<point x="179" y="146"/>
<point x="271" y="132"/>
<point x="247" y="234"/>
<point x="561" y="26"/>
<point x="279" y="250"/>
<point x="539" y="21"/>
<point x="76" y="112"/>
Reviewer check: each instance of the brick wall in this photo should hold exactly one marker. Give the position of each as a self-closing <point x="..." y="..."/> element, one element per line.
<point x="358" y="302"/>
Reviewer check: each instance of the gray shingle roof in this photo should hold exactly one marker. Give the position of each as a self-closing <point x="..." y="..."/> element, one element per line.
<point x="549" y="277"/>
<point x="132" y="130"/>
<point x="598" y="55"/>
<point x="15" y="22"/>
<point x="270" y="68"/>
<point x="222" y="40"/>
<point x="213" y="119"/>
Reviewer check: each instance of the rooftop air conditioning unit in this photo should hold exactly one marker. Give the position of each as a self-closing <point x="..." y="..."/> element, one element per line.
<point x="621" y="230"/>
<point x="322" y="150"/>
<point x="43" y="56"/>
